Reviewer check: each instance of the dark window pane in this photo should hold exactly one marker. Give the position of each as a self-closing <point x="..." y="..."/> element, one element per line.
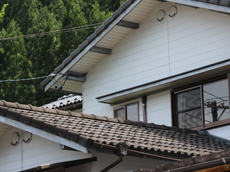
<point x="189" y="109"/>
<point x="120" y="113"/>
<point x="132" y="112"/>
<point x="188" y="100"/>
<point x="190" y="119"/>
<point x="214" y="94"/>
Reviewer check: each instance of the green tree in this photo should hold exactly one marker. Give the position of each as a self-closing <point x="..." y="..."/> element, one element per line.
<point x="2" y="12"/>
<point x="14" y="65"/>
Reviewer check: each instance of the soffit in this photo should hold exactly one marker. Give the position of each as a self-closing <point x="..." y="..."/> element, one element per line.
<point x="109" y="40"/>
<point x="4" y="128"/>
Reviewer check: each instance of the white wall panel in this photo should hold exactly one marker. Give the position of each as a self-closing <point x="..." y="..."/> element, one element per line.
<point x="159" y="108"/>
<point x="223" y="132"/>
<point x="38" y="152"/>
<point x="192" y="39"/>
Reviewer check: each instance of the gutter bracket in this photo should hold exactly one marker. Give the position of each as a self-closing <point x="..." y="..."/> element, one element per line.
<point x="121" y="152"/>
<point x="225" y="162"/>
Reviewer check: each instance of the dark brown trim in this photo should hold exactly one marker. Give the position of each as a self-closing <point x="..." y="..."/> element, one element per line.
<point x="197" y="84"/>
<point x="100" y="147"/>
<point x="194" y="86"/>
<point x="172" y="107"/>
<point x="144" y="107"/>
<point x="65" y="92"/>
<point x="166" y="78"/>
<point x="117" y="108"/>
<point x="125" y="109"/>
<point x="214" y="124"/>
<point x="61" y="164"/>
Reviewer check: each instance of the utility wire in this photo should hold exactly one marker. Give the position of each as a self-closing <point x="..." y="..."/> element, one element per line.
<point x="26" y="79"/>
<point x="84" y="27"/>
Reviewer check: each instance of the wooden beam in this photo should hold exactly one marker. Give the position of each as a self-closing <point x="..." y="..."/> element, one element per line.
<point x="128" y="24"/>
<point x="221" y="168"/>
<point x="101" y="50"/>
<point x="75" y="76"/>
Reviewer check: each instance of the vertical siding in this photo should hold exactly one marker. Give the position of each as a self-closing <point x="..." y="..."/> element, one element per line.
<point x="128" y="164"/>
<point x="39" y="151"/>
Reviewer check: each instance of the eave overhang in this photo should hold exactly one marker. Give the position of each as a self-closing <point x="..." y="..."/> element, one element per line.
<point x="171" y="82"/>
<point x="43" y="134"/>
<point x="197" y="4"/>
<point x="113" y="30"/>
<point x="100" y="43"/>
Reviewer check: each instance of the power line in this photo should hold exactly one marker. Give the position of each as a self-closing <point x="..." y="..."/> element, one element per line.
<point x="27" y="79"/>
<point x="84" y="27"/>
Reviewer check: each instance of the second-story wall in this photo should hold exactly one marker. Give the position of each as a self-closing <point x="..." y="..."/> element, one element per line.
<point x="192" y="39"/>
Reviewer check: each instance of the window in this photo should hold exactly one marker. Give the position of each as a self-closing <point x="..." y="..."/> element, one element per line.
<point x="127" y="112"/>
<point x="202" y="106"/>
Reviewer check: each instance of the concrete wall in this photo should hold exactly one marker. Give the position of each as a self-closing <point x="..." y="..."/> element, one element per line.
<point x="38" y="152"/>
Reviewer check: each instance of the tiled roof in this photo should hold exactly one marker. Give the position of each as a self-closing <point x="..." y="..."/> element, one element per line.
<point x="193" y="164"/>
<point x="86" y="129"/>
<point x="64" y="101"/>
<point x="97" y="32"/>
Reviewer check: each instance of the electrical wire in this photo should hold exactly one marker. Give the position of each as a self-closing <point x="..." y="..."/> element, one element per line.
<point x="84" y="27"/>
<point x="26" y="79"/>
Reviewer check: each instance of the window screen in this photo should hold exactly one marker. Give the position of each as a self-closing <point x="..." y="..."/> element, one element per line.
<point x="120" y="113"/>
<point x="188" y="109"/>
<point x="216" y="101"/>
<point x="127" y="112"/>
<point x="132" y="112"/>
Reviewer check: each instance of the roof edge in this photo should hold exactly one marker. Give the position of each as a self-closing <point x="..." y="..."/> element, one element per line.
<point x="43" y="134"/>
<point x="77" y="54"/>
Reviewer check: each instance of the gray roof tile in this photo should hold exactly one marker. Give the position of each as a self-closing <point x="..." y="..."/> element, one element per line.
<point x="64" y="101"/>
<point x="85" y="129"/>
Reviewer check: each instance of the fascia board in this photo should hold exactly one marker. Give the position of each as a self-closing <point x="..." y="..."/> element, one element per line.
<point x="208" y="6"/>
<point x="149" y="86"/>
<point x="43" y="134"/>
<point x="92" y="44"/>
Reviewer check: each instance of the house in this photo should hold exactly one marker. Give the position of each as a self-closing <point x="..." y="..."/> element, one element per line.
<point x="163" y="64"/>
<point x="53" y="140"/>
<point x="67" y="102"/>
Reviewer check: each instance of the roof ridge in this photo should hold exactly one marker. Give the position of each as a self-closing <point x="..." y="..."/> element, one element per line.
<point x="92" y="116"/>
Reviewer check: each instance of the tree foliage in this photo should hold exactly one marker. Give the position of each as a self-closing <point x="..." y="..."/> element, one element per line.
<point x="38" y="56"/>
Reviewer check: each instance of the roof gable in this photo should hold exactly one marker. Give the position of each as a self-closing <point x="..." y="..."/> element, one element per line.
<point x="110" y="33"/>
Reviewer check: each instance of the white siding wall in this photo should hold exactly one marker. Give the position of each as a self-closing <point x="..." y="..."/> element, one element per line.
<point x="128" y="163"/>
<point x="192" y="39"/>
<point x="159" y="108"/>
<point x="38" y="152"/>
<point x="223" y="132"/>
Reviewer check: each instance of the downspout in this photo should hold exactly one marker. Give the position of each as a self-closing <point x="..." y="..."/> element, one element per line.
<point x="113" y="164"/>
<point x="121" y="152"/>
<point x="144" y="106"/>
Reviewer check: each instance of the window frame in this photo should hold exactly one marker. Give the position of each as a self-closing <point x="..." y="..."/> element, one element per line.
<point x="195" y="85"/>
<point x="125" y="109"/>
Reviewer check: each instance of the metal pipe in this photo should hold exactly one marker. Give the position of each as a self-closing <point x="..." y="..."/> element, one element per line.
<point x="144" y="106"/>
<point x="141" y="153"/>
<point x="113" y="164"/>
